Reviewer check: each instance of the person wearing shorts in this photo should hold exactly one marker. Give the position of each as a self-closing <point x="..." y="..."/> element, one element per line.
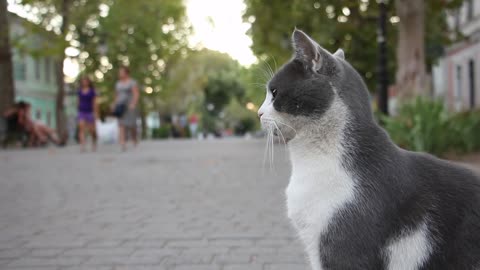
<point x="127" y="94"/>
<point x="87" y="111"/>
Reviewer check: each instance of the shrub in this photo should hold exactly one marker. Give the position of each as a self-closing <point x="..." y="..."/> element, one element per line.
<point x="245" y="125"/>
<point x="464" y="129"/>
<point x="425" y="125"/>
<point x="162" y="132"/>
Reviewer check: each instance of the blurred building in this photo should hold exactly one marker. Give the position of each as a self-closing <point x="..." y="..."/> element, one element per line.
<point x="34" y="73"/>
<point x="456" y="77"/>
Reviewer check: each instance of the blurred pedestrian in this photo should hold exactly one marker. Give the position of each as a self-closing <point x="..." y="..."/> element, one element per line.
<point x="125" y="106"/>
<point x="87" y="112"/>
<point x="193" y="125"/>
<point x="183" y="125"/>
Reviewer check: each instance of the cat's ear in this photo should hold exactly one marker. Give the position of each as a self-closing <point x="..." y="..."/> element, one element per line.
<point x="307" y="50"/>
<point x="340" y="54"/>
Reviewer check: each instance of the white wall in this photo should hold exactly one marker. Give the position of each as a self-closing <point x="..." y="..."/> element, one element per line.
<point x="456" y="90"/>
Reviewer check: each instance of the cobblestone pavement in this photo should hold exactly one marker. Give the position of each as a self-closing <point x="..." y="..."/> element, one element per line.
<point x="172" y="205"/>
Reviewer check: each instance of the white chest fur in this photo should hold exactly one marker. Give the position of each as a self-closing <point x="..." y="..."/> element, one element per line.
<point x="410" y="251"/>
<point x="318" y="188"/>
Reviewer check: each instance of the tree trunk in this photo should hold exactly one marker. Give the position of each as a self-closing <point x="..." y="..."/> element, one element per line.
<point x="143" y="117"/>
<point x="411" y="73"/>
<point x="60" y="108"/>
<point x="7" y="84"/>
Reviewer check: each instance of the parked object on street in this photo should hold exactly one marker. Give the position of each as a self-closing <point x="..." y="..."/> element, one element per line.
<point x="107" y="131"/>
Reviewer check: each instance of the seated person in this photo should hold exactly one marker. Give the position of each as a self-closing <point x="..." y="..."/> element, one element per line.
<point x="14" y="128"/>
<point x="40" y="133"/>
<point x="19" y="120"/>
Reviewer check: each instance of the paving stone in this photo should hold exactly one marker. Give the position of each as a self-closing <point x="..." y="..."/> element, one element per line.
<point x="99" y="252"/>
<point x="286" y="267"/>
<point x="13" y="253"/>
<point x="87" y="268"/>
<point x="243" y="267"/>
<point x="187" y="243"/>
<point x="136" y="267"/>
<point x="122" y="260"/>
<point x="232" y="259"/>
<point x="188" y="259"/>
<point x="169" y="205"/>
<point x="31" y="268"/>
<point x="105" y="243"/>
<point x="46" y="252"/>
<point x="196" y="267"/>
<point x="280" y="258"/>
<point x="34" y="262"/>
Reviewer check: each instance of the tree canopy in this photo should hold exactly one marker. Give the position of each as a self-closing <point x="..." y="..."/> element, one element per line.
<point x="350" y="25"/>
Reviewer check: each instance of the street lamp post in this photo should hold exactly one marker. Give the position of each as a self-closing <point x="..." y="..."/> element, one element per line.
<point x="382" y="73"/>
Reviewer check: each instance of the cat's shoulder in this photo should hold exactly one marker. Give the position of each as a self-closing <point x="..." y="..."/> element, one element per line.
<point x="443" y="173"/>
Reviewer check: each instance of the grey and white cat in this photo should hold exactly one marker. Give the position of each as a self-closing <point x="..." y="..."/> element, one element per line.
<point x="357" y="200"/>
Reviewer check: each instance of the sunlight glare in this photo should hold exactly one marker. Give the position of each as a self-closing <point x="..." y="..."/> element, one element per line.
<point x="218" y="25"/>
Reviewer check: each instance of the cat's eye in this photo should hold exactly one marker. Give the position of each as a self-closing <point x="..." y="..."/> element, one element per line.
<point x="274" y="92"/>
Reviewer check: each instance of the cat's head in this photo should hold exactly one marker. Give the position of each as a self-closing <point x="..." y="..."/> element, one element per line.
<point x="315" y="92"/>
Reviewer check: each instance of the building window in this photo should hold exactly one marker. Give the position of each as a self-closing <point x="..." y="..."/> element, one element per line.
<point x="49" y="118"/>
<point x="471" y="79"/>
<point x="470" y="10"/>
<point x="38" y="114"/>
<point x="20" y="68"/>
<point x="48" y="69"/>
<point x="38" y="67"/>
<point x="458" y="88"/>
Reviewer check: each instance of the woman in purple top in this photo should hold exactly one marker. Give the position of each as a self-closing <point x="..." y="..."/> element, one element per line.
<point x="87" y="112"/>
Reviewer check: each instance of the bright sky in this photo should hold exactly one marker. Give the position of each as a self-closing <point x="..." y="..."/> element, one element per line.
<point x="218" y="25"/>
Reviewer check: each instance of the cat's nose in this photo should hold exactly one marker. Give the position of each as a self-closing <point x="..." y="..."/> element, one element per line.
<point x="260" y="114"/>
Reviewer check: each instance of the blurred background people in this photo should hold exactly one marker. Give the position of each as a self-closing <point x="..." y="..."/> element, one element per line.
<point x="193" y="125"/>
<point x="87" y="112"/>
<point x="39" y="133"/>
<point x="125" y="107"/>
<point x="15" y="130"/>
<point x="20" y="124"/>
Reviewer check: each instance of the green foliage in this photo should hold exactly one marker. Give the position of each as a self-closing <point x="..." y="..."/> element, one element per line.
<point x="255" y="79"/>
<point x="347" y="24"/>
<point x="187" y="78"/>
<point x="162" y="132"/>
<point x="240" y="118"/>
<point x="220" y="89"/>
<point x="44" y="18"/>
<point x="425" y="125"/>
<point x="465" y="127"/>
<point x="209" y="122"/>
<point x="245" y="125"/>
<point x="274" y="21"/>
<point x="420" y="126"/>
<point x="148" y="36"/>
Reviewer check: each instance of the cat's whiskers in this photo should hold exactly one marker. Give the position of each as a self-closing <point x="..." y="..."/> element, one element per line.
<point x="281" y="134"/>
<point x="269" y="70"/>
<point x="270" y="137"/>
<point x="266" y="74"/>
<point x="269" y="126"/>
<point x="267" y="143"/>
<point x="273" y="130"/>
<point x="265" y="119"/>
<point x="275" y="63"/>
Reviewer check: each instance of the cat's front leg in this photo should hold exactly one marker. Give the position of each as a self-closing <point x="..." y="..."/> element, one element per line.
<point x="314" y="258"/>
<point x="311" y="244"/>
